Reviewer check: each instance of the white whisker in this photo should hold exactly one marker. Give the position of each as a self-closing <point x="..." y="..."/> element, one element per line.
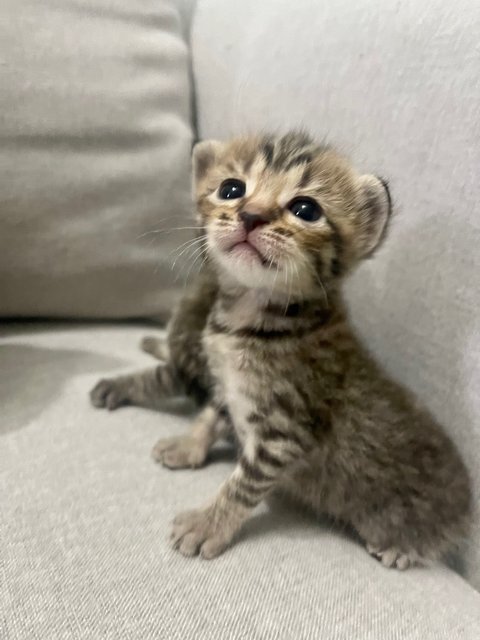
<point x="290" y="262"/>
<point x="170" y="230"/>
<point x="273" y="283"/>
<point x="189" y="241"/>
<point x="192" y="244"/>
<point x="275" y="279"/>
<point x="204" y="260"/>
<point x="296" y="272"/>
<point x="323" y="290"/>
<point x="190" y="256"/>
<point x="202" y="253"/>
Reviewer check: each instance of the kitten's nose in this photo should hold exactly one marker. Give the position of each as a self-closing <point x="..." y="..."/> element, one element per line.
<point x="252" y="220"/>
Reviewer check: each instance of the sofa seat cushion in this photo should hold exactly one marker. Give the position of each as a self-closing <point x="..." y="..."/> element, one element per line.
<point x="86" y="516"/>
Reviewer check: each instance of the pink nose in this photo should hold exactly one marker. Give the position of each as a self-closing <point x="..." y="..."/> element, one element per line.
<point x="252" y="220"/>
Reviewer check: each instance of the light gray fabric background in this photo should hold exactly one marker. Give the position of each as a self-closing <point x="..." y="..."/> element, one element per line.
<point x="95" y="142"/>
<point x="95" y="135"/>
<point x="396" y="85"/>
<point x="85" y="518"/>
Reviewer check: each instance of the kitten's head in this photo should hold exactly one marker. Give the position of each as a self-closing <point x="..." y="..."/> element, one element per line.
<point x="285" y="214"/>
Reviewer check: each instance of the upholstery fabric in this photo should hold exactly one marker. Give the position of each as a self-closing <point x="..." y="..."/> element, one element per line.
<point x="395" y="85"/>
<point x="86" y="516"/>
<point x="95" y="140"/>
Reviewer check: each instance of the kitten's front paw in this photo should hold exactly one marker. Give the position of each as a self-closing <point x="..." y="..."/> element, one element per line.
<point x="109" y="393"/>
<point x="199" y="532"/>
<point x="179" y="453"/>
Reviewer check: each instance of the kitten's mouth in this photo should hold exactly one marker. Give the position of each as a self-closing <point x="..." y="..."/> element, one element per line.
<point x="245" y="249"/>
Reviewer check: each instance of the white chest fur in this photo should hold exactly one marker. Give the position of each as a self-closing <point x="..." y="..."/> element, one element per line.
<point x="228" y="365"/>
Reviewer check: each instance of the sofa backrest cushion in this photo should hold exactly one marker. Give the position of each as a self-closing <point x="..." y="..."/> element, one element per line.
<point x="95" y="141"/>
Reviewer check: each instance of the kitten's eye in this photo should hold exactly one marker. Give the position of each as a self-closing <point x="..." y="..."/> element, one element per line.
<point x="231" y="189"/>
<point x="306" y="209"/>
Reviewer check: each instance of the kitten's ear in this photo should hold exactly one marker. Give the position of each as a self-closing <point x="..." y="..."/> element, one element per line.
<point x="374" y="215"/>
<point x="205" y="155"/>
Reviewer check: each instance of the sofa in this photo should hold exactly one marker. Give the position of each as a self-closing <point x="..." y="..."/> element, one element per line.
<point x="101" y="101"/>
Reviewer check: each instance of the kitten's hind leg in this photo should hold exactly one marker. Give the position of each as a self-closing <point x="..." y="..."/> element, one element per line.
<point x="144" y="389"/>
<point x="191" y="449"/>
<point x="155" y="346"/>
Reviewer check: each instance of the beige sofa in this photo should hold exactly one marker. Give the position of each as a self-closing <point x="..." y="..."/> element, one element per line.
<point x="97" y="119"/>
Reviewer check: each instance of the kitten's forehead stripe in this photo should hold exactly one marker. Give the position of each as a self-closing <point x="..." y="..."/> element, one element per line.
<point x="249" y="162"/>
<point x="306" y="177"/>
<point x="302" y="158"/>
<point x="283" y="153"/>
<point x="268" y="151"/>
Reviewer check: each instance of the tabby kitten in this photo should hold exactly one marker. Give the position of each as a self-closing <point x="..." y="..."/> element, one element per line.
<point x="262" y="340"/>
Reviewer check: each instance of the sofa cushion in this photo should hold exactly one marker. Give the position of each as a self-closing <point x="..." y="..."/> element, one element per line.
<point x="86" y="515"/>
<point x="95" y="141"/>
<point x="395" y="86"/>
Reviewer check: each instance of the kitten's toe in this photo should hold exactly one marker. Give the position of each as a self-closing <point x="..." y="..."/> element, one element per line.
<point x="392" y="558"/>
<point x="190" y="544"/>
<point x="213" y="547"/>
<point x="179" y="453"/>
<point x="98" y="395"/>
<point x="183" y="518"/>
<point x="108" y="394"/>
<point x="373" y="550"/>
<point x="189" y="530"/>
<point x="403" y="561"/>
<point x="157" y="347"/>
<point x="198" y="532"/>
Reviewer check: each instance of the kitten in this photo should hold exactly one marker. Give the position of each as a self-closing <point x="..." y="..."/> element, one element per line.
<point x="262" y="340"/>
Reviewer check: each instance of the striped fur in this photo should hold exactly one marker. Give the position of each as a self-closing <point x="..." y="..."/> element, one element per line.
<point x="262" y="339"/>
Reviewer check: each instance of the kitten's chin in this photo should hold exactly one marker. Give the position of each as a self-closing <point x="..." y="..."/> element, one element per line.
<point x="248" y="253"/>
<point x="245" y="265"/>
